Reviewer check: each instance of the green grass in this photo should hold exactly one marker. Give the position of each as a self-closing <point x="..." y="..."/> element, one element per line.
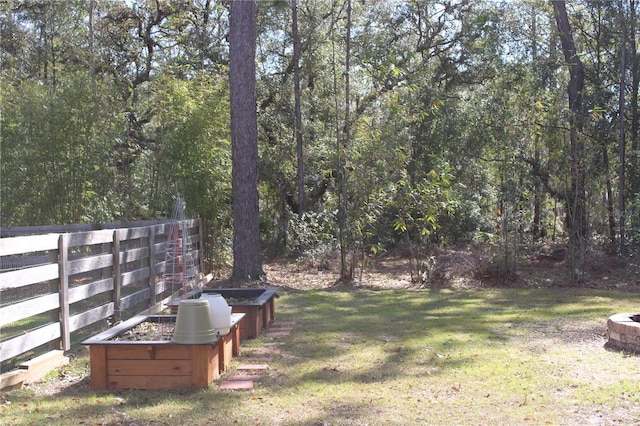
<point x="500" y="356"/>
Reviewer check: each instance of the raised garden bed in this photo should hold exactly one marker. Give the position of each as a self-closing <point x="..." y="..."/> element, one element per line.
<point x="119" y="361"/>
<point x="258" y="304"/>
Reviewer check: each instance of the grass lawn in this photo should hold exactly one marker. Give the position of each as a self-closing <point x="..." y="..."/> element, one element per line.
<point x="392" y="357"/>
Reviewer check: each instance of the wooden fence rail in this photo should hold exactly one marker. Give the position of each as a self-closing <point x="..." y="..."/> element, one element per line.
<point x="54" y="284"/>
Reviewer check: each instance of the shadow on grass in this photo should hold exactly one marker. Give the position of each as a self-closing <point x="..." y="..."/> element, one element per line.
<point x="434" y="329"/>
<point x="342" y="338"/>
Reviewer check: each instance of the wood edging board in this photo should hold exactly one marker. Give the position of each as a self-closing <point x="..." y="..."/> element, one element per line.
<point x="33" y="370"/>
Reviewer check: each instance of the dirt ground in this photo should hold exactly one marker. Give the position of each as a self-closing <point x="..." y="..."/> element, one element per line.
<point x="460" y="268"/>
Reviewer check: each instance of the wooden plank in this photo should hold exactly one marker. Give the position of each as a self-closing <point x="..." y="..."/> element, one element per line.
<point x="91" y="263"/>
<point x="98" y="358"/>
<point x="149" y="351"/>
<point x="40" y="366"/>
<point x="235" y="332"/>
<point x="45" y="229"/>
<point x="268" y="312"/>
<point x="90" y="238"/>
<point x="148" y="382"/>
<point x="125" y="234"/>
<point x="12" y="380"/>
<point x="28" y="276"/>
<point x="88" y="290"/>
<point x="114" y="331"/>
<point x="151" y="263"/>
<point x="56" y="356"/>
<point x="28" y="308"/>
<point x="226" y="350"/>
<point x="157" y="367"/>
<point x="64" y="269"/>
<point x="135" y="276"/>
<point x="272" y="309"/>
<point x="134" y="299"/>
<point x="131" y="224"/>
<point x="200" y="251"/>
<point x="250" y="326"/>
<point x="89" y="317"/>
<point x="132" y="255"/>
<point x="54" y="287"/>
<point x="117" y="278"/>
<point x="28" y="341"/>
<point x="28" y="244"/>
<point x="205" y="359"/>
<point x="160" y="247"/>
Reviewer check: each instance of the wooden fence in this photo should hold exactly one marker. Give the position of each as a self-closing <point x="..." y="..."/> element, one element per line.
<point x="53" y="285"/>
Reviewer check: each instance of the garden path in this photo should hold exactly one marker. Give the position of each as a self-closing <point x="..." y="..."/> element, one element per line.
<point x="255" y="363"/>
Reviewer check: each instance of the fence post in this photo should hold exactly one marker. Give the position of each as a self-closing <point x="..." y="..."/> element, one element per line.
<point x="63" y="254"/>
<point x="200" y="245"/>
<point x="117" y="280"/>
<point x="54" y="287"/>
<point x="152" y="266"/>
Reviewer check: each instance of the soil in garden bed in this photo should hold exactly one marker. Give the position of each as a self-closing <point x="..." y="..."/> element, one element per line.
<point x="147" y="331"/>
<point x="239" y="300"/>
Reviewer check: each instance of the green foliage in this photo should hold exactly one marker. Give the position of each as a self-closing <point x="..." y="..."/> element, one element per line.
<point x="312" y="236"/>
<point x="55" y="152"/>
<point x="466" y="98"/>
<point x="193" y="156"/>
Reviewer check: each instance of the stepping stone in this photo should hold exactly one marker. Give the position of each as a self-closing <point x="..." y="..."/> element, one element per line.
<point x="274" y="344"/>
<point x="253" y="367"/>
<point x="237" y="385"/>
<point x="243" y="377"/>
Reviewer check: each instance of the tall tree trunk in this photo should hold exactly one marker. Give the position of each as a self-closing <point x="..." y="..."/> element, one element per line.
<point x="621" y="134"/>
<point x="342" y="153"/>
<point x="576" y="199"/>
<point x="633" y="180"/>
<point x="298" y="107"/>
<point x="247" y="263"/>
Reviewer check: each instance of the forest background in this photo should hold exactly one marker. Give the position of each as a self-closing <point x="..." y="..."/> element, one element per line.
<point x="381" y="124"/>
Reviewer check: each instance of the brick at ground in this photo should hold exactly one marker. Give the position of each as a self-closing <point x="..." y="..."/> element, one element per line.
<point x="237" y="385"/>
<point x="243" y="377"/>
<point x="253" y="367"/>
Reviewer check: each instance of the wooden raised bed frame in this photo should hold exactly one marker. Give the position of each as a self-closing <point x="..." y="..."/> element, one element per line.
<point x="119" y="364"/>
<point x="258" y="305"/>
<point x="259" y="308"/>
